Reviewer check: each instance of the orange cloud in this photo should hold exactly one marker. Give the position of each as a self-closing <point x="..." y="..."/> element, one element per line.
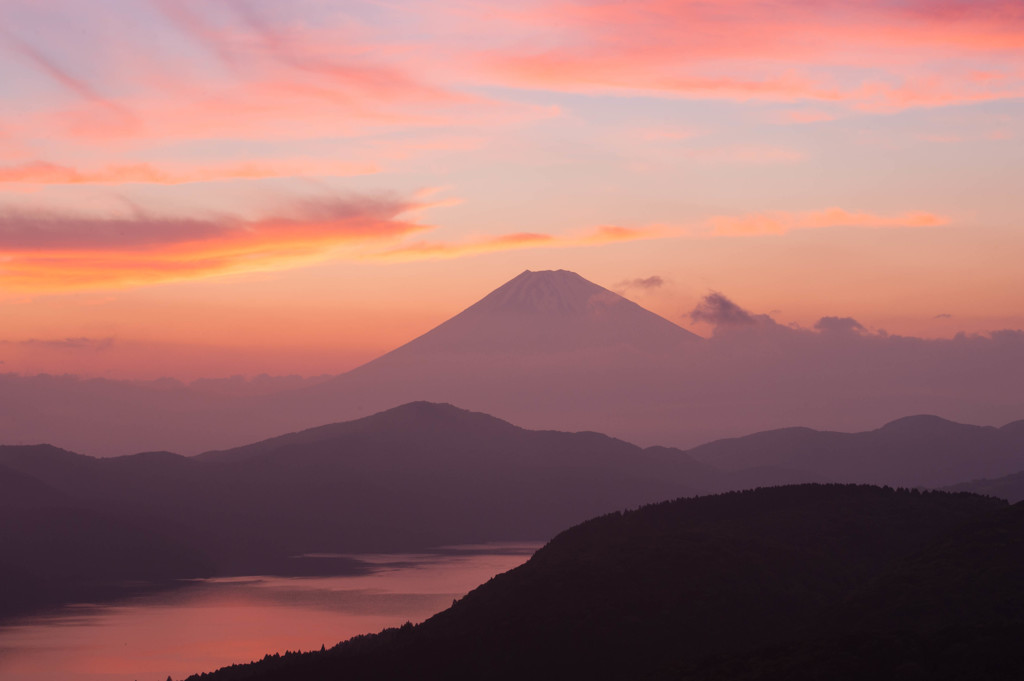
<point x="609" y="234"/>
<point x="605" y="234"/>
<point x="59" y="253"/>
<point x="759" y="224"/>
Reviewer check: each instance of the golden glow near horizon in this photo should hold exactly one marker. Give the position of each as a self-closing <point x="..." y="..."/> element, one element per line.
<point x="255" y="186"/>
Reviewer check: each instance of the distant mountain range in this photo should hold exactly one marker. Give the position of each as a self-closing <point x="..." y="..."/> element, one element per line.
<point x="552" y="350"/>
<point x="790" y="583"/>
<point x="413" y="477"/>
<point x="1009" y="487"/>
<point x="916" y="451"/>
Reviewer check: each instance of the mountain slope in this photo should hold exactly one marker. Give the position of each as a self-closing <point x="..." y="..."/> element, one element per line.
<point x="549" y="312"/>
<point x="1009" y="487"/>
<point x="426" y="474"/>
<point x="542" y="349"/>
<point x="547" y="349"/>
<point x="551" y="350"/>
<point x="413" y="477"/>
<point x="914" y="451"/>
<point x="711" y="587"/>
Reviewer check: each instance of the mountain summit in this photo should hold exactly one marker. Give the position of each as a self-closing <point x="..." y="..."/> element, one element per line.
<point x="552" y="311"/>
<point x="549" y="349"/>
<point x="548" y="291"/>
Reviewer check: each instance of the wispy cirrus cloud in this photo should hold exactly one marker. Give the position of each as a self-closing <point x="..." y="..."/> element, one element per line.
<point x="61" y="75"/>
<point x="306" y="71"/>
<point x="874" y="55"/>
<point x="197" y="72"/>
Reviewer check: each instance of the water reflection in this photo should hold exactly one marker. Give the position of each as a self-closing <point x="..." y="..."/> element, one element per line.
<point x="205" y="624"/>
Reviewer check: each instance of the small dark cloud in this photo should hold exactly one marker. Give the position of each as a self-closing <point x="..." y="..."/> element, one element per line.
<point x="1007" y="335"/>
<point x="718" y="310"/>
<point x="648" y="282"/>
<point x="80" y="343"/>
<point x="839" y="325"/>
<point x="944" y="315"/>
<point x="653" y="281"/>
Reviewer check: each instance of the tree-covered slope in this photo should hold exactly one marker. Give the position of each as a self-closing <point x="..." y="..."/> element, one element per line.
<point x="682" y="588"/>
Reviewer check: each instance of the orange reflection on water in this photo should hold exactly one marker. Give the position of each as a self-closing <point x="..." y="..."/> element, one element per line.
<point x="212" y="623"/>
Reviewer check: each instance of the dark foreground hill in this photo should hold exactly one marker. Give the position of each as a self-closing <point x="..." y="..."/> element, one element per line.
<point x="803" y="582"/>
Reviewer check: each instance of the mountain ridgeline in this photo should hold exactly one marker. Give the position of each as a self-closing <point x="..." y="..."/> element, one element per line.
<point x="414" y="477"/>
<point x="549" y="349"/>
<point x="798" y="582"/>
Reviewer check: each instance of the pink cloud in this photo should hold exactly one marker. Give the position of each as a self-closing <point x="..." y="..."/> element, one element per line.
<point x="872" y="55"/>
<point x="759" y="224"/>
<point x="252" y="77"/>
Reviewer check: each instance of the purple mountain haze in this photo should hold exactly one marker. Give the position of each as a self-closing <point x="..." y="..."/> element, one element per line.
<point x="552" y="350"/>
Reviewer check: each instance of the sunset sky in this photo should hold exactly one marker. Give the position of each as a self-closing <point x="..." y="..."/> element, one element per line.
<point x="197" y="188"/>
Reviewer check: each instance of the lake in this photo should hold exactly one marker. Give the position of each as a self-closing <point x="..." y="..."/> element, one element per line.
<point x="206" y="624"/>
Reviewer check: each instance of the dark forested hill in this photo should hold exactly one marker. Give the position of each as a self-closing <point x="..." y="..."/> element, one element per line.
<point x="760" y="584"/>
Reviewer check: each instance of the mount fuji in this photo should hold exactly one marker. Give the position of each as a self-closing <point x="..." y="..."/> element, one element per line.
<point x="549" y="349"/>
<point x="547" y="312"/>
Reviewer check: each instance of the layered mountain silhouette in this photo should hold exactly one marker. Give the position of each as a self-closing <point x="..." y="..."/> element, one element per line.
<point x="409" y="478"/>
<point x="417" y="476"/>
<point x="64" y="541"/>
<point x="801" y="582"/>
<point x="551" y="350"/>
<point x="916" y="451"/>
<point x="544" y="349"/>
<point x="547" y="349"/>
<point x="1009" y="487"/>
